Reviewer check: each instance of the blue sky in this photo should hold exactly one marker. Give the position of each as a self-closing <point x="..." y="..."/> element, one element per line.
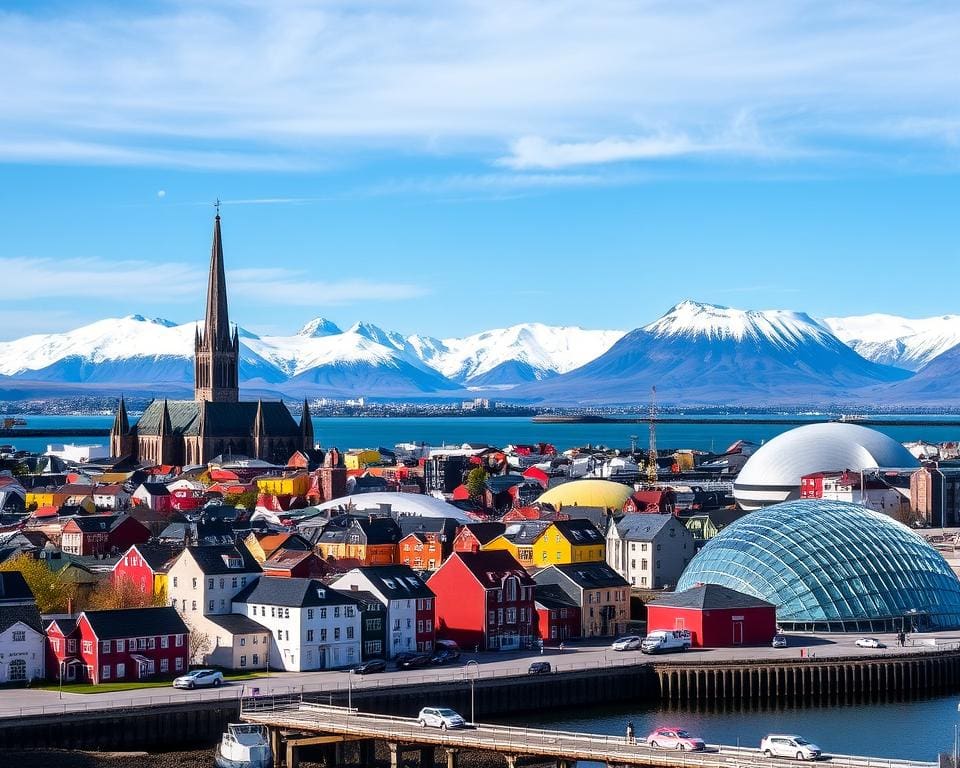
<point x="448" y="168"/>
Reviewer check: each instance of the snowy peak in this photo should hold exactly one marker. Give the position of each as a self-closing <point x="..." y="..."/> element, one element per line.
<point x="900" y="341"/>
<point x="376" y="334"/>
<point x="318" y="328"/>
<point x="692" y="319"/>
<point x="155" y="320"/>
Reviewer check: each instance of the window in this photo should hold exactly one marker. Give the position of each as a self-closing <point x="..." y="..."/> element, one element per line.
<point x="243" y="661"/>
<point x="71" y="646"/>
<point x="194" y="582"/>
<point x="349" y="633"/>
<point x="336" y="633"/>
<point x="658" y="547"/>
<point x="309" y="635"/>
<point x="233" y="582"/>
<point x="372" y="647"/>
<point x="178" y="665"/>
<point x="273" y="611"/>
<point x="55" y="644"/>
<point x="286" y="613"/>
<point x="223" y="603"/>
<point x="243" y="583"/>
<point x="120" y="646"/>
<point x="349" y="611"/>
<point x="175" y="580"/>
<point x="142" y="643"/>
<point x="105" y="672"/>
<point x="164" y="665"/>
<point x="179" y="640"/>
<point x="409" y="623"/>
<point x="279" y="634"/>
<point x="243" y="641"/>
<point x="193" y="605"/>
<point x="511" y="615"/>
<point x="165" y="641"/>
<point x="20" y="636"/>
<point x="323" y="635"/>
<point x="88" y="646"/>
<point x="256" y="659"/>
<point x="309" y="613"/>
<point x="211" y="604"/>
<point x="209" y="583"/>
<point x="121" y="671"/>
<point x="323" y="613"/>
<point x="336" y="612"/>
<point x="491" y="618"/>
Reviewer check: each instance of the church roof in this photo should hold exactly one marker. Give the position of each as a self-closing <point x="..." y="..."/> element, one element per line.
<point x="220" y="419"/>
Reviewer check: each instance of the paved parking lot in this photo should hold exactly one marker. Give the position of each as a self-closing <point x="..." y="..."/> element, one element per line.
<point x="586" y="655"/>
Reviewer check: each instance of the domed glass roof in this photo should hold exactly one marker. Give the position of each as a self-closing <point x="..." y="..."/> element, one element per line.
<point x="831" y="566"/>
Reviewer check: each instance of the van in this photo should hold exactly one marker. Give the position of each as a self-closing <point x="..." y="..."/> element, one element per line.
<point x="666" y="640"/>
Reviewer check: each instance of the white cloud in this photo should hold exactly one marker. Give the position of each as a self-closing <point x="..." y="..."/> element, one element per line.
<point x="287" y="287"/>
<point x="297" y="85"/>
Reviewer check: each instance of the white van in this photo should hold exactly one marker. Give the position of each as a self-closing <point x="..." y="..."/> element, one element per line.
<point x="666" y="640"/>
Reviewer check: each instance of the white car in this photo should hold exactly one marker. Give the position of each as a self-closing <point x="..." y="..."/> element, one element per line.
<point x="199" y="678"/>
<point x="782" y="745"/>
<point x="440" y="717"/>
<point x="628" y="643"/>
<point x="779" y="641"/>
<point x="869" y="642"/>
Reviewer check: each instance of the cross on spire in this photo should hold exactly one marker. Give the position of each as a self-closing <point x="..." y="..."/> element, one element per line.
<point x="217" y="206"/>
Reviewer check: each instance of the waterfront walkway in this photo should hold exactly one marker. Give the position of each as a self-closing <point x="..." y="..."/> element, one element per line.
<point x="300" y="723"/>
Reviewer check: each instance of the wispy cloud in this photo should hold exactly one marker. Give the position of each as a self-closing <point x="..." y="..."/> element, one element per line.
<point x="298" y="85"/>
<point x="287" y="287"/>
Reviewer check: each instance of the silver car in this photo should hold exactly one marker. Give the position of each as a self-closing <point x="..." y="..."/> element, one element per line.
<point x="627" y="643"/>
<point x="784" y="745"/>
<point x="440" y="717"/>
<point x="200" y="678"/>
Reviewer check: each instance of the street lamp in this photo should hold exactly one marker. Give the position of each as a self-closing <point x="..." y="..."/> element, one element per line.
<point x="349" y="691"/>
<point x="62" y="665"/>
<point x="473" y="680"/>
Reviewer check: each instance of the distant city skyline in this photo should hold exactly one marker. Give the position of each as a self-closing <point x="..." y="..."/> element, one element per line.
<point x="449" y="169"/>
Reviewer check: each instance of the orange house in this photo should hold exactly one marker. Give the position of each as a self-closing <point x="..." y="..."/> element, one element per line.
<point x="363" y="540"/>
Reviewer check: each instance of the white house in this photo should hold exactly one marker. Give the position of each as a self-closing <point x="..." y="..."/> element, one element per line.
<point x="112" y="497"/>
<point x="312" y="626"/>
<point x="649" y="551"/>
<point x="410" y="604"/>
<point x="22" y="639"/>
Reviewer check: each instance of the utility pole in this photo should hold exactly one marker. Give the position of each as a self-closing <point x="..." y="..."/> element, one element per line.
<point x="652" y="453"/>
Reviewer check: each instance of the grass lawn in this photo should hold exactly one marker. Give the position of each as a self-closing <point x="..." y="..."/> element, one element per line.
<point x="136" y="685"/>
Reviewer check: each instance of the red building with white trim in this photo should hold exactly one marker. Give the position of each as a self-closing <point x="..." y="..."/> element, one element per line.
<point x="717" y="617"/>
<point x="485" y="599"/>
<point x="118" y="646"/>
<point x="102" y="534"/>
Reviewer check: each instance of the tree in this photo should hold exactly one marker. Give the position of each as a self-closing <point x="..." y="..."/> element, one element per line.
<point x="477" y="482"/>
<point x="200" y="645"/>
<point x="112" y="594"/>
<point x="52" y="594"/>
<point x="247" y="499"/>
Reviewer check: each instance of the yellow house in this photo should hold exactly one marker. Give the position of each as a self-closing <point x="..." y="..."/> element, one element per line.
<point x="566" y="542"/>
<point x="296" y="484"/>
<point x="519" y="539"/>
<point x="47" y="497"/>
<point x="358" y="459"/>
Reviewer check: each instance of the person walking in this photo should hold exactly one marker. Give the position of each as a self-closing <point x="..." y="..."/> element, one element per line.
<point x="630" y="739"/>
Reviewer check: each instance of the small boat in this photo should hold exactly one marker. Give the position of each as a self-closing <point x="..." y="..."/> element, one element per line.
<point x="244" y="746"/>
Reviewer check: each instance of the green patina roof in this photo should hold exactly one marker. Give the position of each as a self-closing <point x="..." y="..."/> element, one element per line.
<point x="221" y="419"/>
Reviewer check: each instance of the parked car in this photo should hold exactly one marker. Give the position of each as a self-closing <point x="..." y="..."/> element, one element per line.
<point x="448" y="645"/>
<point x="443" y="656"/>
<point x="539" y="668"/>
<point x="199" y="678"/>
<point x="440" y="717"/>
<point x="781" y="745"/>
<point x="869" y="642"/>
<point x="675" y="738"/>
<point x="779" y="641"/>
<point x="627" y="643"/>
<point x="369" y="667"/>
<point x="412" y="660"/>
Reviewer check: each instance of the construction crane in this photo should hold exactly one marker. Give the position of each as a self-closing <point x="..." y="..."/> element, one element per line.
<point x="652" y="453"/>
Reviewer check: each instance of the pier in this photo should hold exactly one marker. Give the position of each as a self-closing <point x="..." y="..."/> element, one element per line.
<point x="295" y="723"/>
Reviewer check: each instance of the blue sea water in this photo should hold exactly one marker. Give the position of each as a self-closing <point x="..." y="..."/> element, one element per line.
<point x="358" y="432"/>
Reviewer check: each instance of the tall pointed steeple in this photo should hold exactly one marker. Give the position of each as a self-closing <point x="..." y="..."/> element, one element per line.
<point x="121" y="439"/>
<point x="121" y="424"/>
<point x="217" y="350"/>
<point x="306" y="425"/>
<point x="166" y="427"/>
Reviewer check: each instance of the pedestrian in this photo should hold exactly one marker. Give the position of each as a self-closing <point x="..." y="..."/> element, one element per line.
<point x="561" y="646"/>
<point x="630" y="739"/>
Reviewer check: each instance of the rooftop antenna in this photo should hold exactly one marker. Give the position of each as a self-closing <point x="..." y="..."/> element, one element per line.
<point x="652" y="455"/>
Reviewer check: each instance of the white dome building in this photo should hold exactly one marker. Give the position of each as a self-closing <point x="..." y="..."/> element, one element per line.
<point x="401" y="503"/>
<point x="772" y="474"/>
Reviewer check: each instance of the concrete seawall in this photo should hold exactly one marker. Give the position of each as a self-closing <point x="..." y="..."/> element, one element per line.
<point x="200" y="724"/>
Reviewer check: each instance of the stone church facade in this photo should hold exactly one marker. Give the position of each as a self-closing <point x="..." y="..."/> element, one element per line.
<point x="215" y="422"/>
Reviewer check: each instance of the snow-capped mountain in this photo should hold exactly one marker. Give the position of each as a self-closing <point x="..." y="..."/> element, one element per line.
<point x="703" y="353"/>
<point x="526" y="352"/>
<point x="898" y="341"/>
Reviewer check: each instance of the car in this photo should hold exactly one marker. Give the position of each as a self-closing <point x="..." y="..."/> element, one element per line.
<point x="869" y="642"/>
<point x="675" y="738"/>
<point x="448" y="645"/>
<point x="200" y="678"/>
<point x="627" y="643"/>
<point x="440" y="717"/>
<point x="443" y="656"/>
<point x="369" y="667"/>
<point x="412" y="660"/>
<point x="784" y="745"/>
<point x="779" y="641"/>
<point x="539" y="668"/>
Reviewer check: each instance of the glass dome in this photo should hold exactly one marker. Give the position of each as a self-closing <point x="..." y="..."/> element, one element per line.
<point x="831" y="566"/>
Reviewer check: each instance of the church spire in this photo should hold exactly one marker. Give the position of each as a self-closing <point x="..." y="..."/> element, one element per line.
<point x="306" y="425"/>
<point x="121" y="424"/>
<point x="166" y="428"/>
<point x="216" y="349"/>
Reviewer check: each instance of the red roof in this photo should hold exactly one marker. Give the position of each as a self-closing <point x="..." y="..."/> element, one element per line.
<point x="492" y="566"/>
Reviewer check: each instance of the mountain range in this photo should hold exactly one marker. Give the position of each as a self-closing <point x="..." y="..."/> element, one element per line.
<point x="694" y="354"/>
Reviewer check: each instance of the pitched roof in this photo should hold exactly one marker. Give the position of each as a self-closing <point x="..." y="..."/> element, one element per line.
<point x="396" y="582"/>
<point x="135" y="622"/>
<point x="527" y="532"/>
<point x="378" y="530"/>
<point x="156" y="489"/>
<point x="642" y="527"/>
<point x="591" y="575"/>
<point x="14" y="588"/>
<point x="214" y="560"/>
<point x="579" y="532"/>
<point x="287" y="558"/>
<point x="552" y="596"/>
<point x="294" y="593"/>
<point x="158" y="556"/>
<point x="271" y="542"/>
<point x="491" y="567"/>
<point x="366" y="599"/>
<point x="710" y="597"/>
<point x="219" y="419"/>
<point x="237" y="623"/>
<point x="485" y="532"/>
<point x="28" y="614"/>
<point x="419" y="524"/>
<point x="97" y="523"/>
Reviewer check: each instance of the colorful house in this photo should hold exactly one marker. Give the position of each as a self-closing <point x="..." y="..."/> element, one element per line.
<point x="146" y="566"/>
<point x="485" y="600"/>
<point x="358" y="459"/>
<point x="715" y="616"/>
<point x="154" y="496"/>
<point x="295" y="564"/>
<point x="602" y="594"/>
<point x="427" y="541"/>
<point x="519" y="539"/>
<point x="102" y="534"/>
<point x="22" y="640"/>
<point x="569" y="541"/>
<point x="263" y="545"/>
<point x="473" y="536"/>
<point x="558" y="615"/>
<point x="118" y="646"/>
<point x="359" y="539"/>
<point x="294" y="484"/>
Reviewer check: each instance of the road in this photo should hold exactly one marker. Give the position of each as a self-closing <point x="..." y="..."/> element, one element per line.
<point x="17" y="702"/>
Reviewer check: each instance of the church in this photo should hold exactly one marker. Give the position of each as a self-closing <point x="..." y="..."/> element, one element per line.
<point x="215" y="422"/>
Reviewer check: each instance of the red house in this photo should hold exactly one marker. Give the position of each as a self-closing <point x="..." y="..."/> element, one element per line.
<point x="295" y="564"/>
<point x="658" y="502"/>
<point x="558" y="614"/>
<point x="472" y="536"/>
<point x="717" y="617"/>
<point x="485" y="600"/>
<point x="145" y="566"/>
<point x="102" y="534"/>
<point x="125" y="645"/>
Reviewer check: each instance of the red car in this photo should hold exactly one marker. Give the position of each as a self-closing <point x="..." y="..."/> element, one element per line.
<point x="675" y="738"/>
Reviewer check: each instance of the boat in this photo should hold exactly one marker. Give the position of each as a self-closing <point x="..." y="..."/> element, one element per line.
<point x="244" y="746"/>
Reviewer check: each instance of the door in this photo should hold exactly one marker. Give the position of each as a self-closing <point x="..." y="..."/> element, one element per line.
<point x="71" y="672"/>
<point x="679" y="623"/>
<point x="738" y="633"/>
